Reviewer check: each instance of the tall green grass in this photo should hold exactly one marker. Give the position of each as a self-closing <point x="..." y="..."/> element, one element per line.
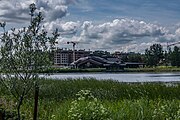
<point x="125" y="101"/>
<point x="142" y="109"/>
<point x="107" y="89"/>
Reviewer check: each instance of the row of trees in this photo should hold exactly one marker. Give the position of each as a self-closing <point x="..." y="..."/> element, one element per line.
<point x="134" y="57"/>
<point x="155" y="56"/>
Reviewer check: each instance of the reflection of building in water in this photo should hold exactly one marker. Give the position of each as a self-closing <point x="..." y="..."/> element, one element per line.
<point x="64" y="57"/>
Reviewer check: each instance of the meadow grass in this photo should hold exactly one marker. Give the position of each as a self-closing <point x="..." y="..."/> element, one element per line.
<point x="107" y="89"/>
<point x="141" y="109"/>
<point x="125" y="101"/>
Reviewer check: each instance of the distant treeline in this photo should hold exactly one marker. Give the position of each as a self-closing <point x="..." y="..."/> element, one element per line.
<point x="155" y="55"/>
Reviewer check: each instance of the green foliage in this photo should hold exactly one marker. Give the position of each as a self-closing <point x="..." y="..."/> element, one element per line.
<point x="103" y="89"/>
<point x="175" y="57"/>
<point x="101" y="53"/>
<point x="144" y="109"/>
<point x="154" y="55"/>
<point x="125" y="101"/>
<point x="9" y="115"/>
<point x="166" y="110"/>
<point x="107" y="89"/>
<point x="154" y="69"/>
<point x="87" y="107"/>
<point x="127" y="109"/>
<point x="24" y="52"/>
<point x="7" y="108"/>
<point x="134" y="57"/>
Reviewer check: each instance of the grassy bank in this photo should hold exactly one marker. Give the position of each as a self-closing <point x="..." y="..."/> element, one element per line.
<point x="91" y="70"/>
<point x="69" y="70"/>
<point x="124" y="101"/>
<point x="154" y="69"/>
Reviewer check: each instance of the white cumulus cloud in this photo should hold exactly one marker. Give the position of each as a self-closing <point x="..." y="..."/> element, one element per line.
<point x="17" y="10"/>
<point x="122" y="33"/>
<point x="65" y="28"/>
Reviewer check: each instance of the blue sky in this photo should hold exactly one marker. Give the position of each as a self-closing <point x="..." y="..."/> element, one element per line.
<point x="113" y="25"/>
<point x="161" y="11"/>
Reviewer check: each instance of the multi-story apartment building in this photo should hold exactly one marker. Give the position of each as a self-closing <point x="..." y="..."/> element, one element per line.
<point x="64" y="57"/>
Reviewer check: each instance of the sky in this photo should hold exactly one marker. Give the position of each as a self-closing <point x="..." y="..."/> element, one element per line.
<point x="112" y="25"/>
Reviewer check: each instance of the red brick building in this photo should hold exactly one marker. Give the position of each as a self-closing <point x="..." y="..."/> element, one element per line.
<point x="64" y="57"/>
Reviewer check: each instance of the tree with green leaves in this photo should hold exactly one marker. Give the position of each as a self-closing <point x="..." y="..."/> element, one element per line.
<point x="23" y="54"/>
<point x="175" y="57"/>
<point x="134" y="57"/>
<point x="154" y="55"/>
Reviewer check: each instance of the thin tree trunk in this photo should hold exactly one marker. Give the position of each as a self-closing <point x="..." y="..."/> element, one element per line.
<point x="36" y="101"/>
<point x="19" y="107"/>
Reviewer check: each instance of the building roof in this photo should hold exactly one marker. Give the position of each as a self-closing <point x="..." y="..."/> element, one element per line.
<point x="96" y="60"/>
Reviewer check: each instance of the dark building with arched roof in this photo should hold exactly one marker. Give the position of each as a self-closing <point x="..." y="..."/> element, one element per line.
<point x="97" y="62"/>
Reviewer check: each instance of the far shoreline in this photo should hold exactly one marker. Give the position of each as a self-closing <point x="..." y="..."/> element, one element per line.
<point x="158" y="69"/>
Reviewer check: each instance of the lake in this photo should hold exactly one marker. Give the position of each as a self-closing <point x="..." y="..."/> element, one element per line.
<point x="123" y="77"/>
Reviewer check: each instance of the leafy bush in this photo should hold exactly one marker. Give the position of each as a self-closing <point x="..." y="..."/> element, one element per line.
<point x="87" y="107"/>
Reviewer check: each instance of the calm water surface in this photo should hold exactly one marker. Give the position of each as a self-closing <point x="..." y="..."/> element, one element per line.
<point x="123" y="77"/>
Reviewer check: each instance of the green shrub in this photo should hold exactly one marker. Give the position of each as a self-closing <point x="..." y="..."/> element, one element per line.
<point x="87" y="107"/>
